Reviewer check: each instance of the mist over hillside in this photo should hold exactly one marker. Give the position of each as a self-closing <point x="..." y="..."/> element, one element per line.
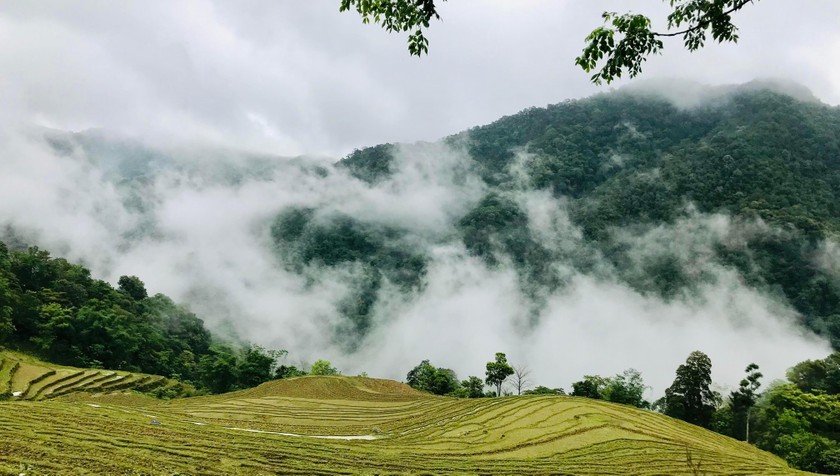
<point x="622" y="230"/>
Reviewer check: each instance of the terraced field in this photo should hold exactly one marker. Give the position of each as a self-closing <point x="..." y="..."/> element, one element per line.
<point x="350" y="425"/>
<point x="25" y="378"/>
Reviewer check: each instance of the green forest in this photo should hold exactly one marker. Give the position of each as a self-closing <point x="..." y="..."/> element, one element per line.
<point x="54" y="309"/>
<point x="629" y="162"/>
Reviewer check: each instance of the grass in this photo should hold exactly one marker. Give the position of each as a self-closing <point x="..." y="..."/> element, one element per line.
<point x="413" y="433"/>
<point x="25" y="378"/>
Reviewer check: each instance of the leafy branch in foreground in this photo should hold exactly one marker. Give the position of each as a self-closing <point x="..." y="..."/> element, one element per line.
<point x="625" y="41"/>
<point x="398" y="16"/>
<point x="628" y="40"/>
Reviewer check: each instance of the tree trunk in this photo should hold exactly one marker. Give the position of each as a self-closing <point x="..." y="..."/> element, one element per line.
<point x="747" y="435"/>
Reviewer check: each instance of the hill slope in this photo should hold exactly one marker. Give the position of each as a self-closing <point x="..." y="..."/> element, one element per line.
<point x="329" y="425"/>
<point x="26" y="378"/>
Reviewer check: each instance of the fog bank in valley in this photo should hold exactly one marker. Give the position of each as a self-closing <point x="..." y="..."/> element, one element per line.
<point x="194" y="223"/>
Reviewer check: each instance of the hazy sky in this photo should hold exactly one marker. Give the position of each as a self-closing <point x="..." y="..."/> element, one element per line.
<point x="294" y="77"/>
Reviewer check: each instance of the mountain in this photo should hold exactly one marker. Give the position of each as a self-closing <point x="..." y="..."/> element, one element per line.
<point x="629" y="163"/>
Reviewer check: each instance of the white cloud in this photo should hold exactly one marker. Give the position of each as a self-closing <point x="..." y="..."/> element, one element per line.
<point x="295" y="77"/>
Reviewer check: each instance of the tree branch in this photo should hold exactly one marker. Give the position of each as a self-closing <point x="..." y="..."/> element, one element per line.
<point x="704" y="23"/>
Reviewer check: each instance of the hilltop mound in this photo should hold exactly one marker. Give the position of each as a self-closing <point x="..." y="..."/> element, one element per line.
<point x="332" y="388"/>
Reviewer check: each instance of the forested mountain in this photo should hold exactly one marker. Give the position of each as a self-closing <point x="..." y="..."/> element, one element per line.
<point x="629" y="163"/>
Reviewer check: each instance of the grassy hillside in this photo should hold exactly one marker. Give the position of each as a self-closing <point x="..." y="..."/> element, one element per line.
<point x="25" y="378"/>
<point x="341" y="425"/>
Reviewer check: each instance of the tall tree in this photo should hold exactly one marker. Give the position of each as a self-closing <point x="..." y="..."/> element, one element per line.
<point x="498" y="371"/>
<point x="742" y="400"/>
<point x="690" y="397"/>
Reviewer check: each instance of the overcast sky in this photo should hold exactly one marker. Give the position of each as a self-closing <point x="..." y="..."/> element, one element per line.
<point x="293" y="77"/>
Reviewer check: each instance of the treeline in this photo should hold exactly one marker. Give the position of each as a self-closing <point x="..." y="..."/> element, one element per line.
<point x="54" y="309"/>
<point x="798" y="420"/>
<point x="627" y="388"/>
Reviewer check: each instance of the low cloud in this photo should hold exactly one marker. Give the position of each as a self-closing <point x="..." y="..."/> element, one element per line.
<point x="200" y="234"/>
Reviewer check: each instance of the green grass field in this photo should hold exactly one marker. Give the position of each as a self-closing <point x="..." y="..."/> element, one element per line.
<point x="76" y="421"/>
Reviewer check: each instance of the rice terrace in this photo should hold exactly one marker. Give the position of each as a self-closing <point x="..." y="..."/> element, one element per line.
<point x="73" y="421"/>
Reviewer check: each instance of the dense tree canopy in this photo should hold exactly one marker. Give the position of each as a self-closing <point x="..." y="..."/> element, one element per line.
<point x="801" y="427"/>
<point x="428" y="378"/>
<point x="56" y="310"/>
<point x="690" y="397"/>
<point x="627" y="388"/>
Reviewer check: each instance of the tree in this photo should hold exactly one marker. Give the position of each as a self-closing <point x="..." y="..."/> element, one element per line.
<point x="323" y="367"/>
<point x="445" y="381"/>
<point x="742" y="400"/>
<point x="218" y="370"/>
<point x="542" y="390"/>
<point x="816" y="376"/>
<point x="800" y="427"/>
<point x="133" y="287"/>
<point x="473" y="387"/>
<point x="498" y="371"/>
<point x="288" y="371"/>
<point x="398" y="16"/>
<point x="627" y="388"/>
<point x="421" y="375"/>
<point x="592" y="386"/>
<point x="624" y="44"/>
<point x="520" y="378"/>
<point x="689" y="398"/>
<point x="627" y="43"/>
<point x="428" y="378"/>
<point x="6" y="325"/>
<point x="258" y="365"/>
